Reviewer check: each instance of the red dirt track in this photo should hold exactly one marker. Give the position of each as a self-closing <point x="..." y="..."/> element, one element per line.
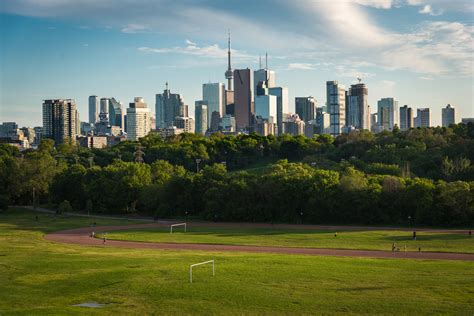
<point x="81" y="236"/>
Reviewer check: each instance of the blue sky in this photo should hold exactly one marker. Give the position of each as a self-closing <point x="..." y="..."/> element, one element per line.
<point x="418" y="51"/>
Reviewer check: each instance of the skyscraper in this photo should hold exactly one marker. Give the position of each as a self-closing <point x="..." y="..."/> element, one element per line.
<point x="423" y="117"/>
<point x="387" y="113"/>
<point x="214" y="96"/>
<point x="406" y="118"/>
<point x="60" y="120"/>
<point x="243" y="98"/>
<point x="305" y="107"/>
<point x="264" y="75"/>
<point x="336" y="101"/>
<point x="116" y="115"/>
<point x="93" y="109"/>
<point x="448" y="116"/>
<point x="282" y="104"/>
<point x="168" y="106"/>
<point x="104" y="105"/>
<point x="200" y="115"/>
<point x="138" y="119"/>
<point x="266" y="107"/>
<point x="358" y="110"/>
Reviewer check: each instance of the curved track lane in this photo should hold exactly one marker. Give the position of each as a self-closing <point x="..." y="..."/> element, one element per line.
<point x="81" y="236"/>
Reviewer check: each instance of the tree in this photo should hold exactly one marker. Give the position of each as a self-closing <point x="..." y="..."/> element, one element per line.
<point x="64" y="207"/>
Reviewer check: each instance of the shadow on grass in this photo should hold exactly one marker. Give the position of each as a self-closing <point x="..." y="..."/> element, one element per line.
<point x="28" y="220"/>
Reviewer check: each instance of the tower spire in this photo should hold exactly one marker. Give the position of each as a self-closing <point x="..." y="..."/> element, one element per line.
<point x="229" y="75"/>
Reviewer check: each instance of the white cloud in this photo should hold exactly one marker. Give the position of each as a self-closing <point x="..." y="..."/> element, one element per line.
<point x="379" y="4"/>
<point x="301" y="66"/>
<point x="190" y="43"/>
<point x="428" y="9"/>
<point x="135" y="28"/>
<point x="415" y="2"/>
<point x="349" y="71"/>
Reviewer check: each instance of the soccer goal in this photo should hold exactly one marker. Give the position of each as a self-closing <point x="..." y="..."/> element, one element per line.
<point x="199" y="264"/>
<point x="175" y="225"/>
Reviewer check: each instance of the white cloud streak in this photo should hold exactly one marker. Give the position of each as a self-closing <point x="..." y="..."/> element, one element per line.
<point x="209" y="51"/>
<point x="301" y="66"/>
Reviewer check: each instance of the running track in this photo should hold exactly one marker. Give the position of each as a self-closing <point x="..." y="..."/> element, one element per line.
<point x="81" y="236"/>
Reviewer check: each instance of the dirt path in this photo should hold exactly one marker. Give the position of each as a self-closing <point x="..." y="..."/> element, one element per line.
<point x="81" y="236"/>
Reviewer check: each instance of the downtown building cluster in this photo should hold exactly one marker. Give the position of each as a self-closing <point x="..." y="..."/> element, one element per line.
<point x="251" y="102"/>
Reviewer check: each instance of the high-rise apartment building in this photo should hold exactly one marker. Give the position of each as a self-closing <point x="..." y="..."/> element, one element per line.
<point x="200" y="116"/>
<point x="305" y="107"/>
<point x="138" y="119"/>
<point x="387" y="113"/>
<point x="60" y="120"/>
<point x="243" y="98"/>
<point x="227" y="124"/>
<point x="292" y="124"/>
<point x="168" y="106"/>
<point x="336" y="102"/>
<point x="406" y="118"/>
<point x="448" y="116"/>
<point x="423" y="117"/>
<point x="282" y="104"/>
<point x="322" y="122"/>
<point x="94" y="109"/>
<point x="215" y="97"/>
<point x="185" y="123"/>
<point x="358" y="109"/>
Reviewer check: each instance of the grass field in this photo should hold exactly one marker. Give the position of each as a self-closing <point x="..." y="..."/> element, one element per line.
<point x="42" y="277"/>
<point x="368" y="240"/>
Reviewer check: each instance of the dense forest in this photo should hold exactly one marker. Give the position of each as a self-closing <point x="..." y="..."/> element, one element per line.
<point x="423" y="176"/>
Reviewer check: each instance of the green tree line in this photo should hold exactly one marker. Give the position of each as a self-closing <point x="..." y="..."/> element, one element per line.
<point x="424" y="174"/>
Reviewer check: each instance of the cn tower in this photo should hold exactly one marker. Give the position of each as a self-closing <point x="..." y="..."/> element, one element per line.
<point x="229" y="74"/>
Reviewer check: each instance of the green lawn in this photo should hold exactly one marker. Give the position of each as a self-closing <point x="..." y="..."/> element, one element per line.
<point x="373" y="240"/>
<point x="42" y="277"/>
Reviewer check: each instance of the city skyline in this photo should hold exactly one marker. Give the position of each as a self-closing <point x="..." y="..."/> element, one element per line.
<point x="122" y="58"/>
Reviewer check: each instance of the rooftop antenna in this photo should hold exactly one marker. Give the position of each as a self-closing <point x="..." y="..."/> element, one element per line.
<point x="260" y="61"/>
<point x="166" y="85"/>
<point x="266" y="60"/>
<point x="359" y="79"/>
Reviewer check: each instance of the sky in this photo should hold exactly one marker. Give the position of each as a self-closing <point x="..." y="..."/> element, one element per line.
<point x="420" y="52"/>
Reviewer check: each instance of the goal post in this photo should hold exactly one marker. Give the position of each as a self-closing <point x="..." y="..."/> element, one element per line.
<point x="175" y="225"/>
<point x="199" y="264"/>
